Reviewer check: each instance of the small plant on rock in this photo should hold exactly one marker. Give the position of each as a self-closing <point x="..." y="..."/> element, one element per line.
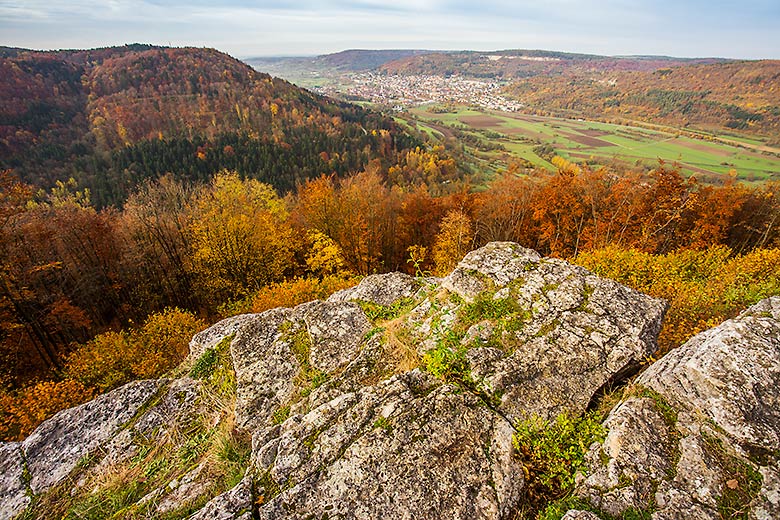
<point x="552" y="453"/>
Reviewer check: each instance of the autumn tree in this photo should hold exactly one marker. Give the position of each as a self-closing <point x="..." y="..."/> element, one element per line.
<point x="454" y="240"/>
<point x="154" y="224"/>
<point x="504" y="212"/>
<point x="242" y="239"/>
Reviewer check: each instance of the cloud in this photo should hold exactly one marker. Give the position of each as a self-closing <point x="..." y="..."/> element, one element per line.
<point x="267" y="27"/>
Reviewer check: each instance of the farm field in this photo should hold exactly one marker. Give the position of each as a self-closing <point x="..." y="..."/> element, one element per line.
<point x="506" y="136"/>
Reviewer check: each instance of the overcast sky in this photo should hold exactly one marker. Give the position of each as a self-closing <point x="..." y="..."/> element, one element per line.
<point x="245" y="28"/>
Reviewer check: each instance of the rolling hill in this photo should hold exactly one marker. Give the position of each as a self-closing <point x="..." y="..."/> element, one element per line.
<point x="738" y="95"/>
<point x="113" y="117"/>
<point x="520" y="63"/>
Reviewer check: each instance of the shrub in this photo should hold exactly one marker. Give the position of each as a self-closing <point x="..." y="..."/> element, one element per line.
<point x="22" y="412"/>
<point x="296" y="291"/>
<point x="703" y="287"/>
<point x="552" y="453"/>
<point x="115" y="358"/>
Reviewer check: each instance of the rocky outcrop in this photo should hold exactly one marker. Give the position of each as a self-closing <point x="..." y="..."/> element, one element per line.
<point x="731" y="373"/>
<point x="396" y="398"/>
<point x="703" y="441"/>
<point x="562" y="333"/>
<point x="398" y="449"/>
<point x="381" y="289"/>
<point x="58" y="445"/>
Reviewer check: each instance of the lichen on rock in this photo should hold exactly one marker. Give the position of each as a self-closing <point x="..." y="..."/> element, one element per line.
<point x="401" y="399"/>
<point x="719" y="459"/>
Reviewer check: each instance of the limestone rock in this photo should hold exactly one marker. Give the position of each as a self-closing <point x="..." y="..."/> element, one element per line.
<point x="235" y="504"/>
<point x="405" y="448"/>
<point x="719" y="457"/>
<point x="210" y="337"/>
<point x="54" y="449"/>
<point x="576" y="514"/>
<point x="731" y="373"/>
<point x="567" y="333"/>
<point x="497" y="264"/>
<point x="365" y="434"/>
<point x="273" y="353"/>
<point x="382" y="289"/>
<point x="638" y="448"/>
<point x="13" y="487"/>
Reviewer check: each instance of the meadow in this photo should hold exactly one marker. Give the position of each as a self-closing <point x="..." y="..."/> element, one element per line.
<point x="497" y="138"/>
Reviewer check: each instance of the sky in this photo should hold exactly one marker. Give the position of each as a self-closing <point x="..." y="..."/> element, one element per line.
<point x="245" y="28"/>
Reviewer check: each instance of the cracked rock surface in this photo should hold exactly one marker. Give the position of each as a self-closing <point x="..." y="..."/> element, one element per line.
<point x="344" y="422"/>
<point x="705" y="444"/>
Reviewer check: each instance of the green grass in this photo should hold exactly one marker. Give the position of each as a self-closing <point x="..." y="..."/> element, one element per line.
<point x="709" y="160"/>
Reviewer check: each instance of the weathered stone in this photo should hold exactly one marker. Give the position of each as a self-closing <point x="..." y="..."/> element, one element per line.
<point x="731" y="373"/>
<point x="13" y="488"/>
<point x="382" y="289"/>
<point x="495" y="265"/>
<point x="638" y="450"/>
<point x="724" y="385"/>
<point x="363" y="436"/>
<point x="210" y="337"/>
<point x="576" y="514"/>
<point x="769" y="506"/>
<point x="270" y="352"/>
<point x="336" y="331"/>
<point x="186" y="489"/>
<point x="179" y="404"/>
<point x="55" y="448"/>
<point x="571" y="333"/>
<point x="235" y="504"/>
<point x="405" y="448"/>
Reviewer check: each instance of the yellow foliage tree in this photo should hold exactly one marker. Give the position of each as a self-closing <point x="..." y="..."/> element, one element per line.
<point x="20" y="414"/>
<point x="703" y="287"/>
<point x="114" y="358"/>
<point x="325" y="256"/>
<point x="454" y="240"/>
<point x="242" y="238"/>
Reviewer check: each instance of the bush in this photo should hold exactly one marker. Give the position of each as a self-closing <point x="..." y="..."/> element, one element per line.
<point x="114" y="358"/>
<point x="21" y="413"/>
<point x="298" y="290"/>
<point x="552" y="453"/>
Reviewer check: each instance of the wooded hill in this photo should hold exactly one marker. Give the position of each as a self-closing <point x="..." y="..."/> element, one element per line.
<point x="113" y="117"/>
<point x="742" y="96"/>
<point x="521" y="63"/>
<point x="709" y="94"/>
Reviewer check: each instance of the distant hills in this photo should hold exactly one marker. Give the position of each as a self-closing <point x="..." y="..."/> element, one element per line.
<point x="113" y="117"/>
<point x="519" y="63"/>
<point x="741" y="96"/>
<point x="710" y="94"/>
<point x="353" y="60"/>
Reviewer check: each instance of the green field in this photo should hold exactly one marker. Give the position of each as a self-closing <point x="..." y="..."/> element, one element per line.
<point x="496" y="138"/>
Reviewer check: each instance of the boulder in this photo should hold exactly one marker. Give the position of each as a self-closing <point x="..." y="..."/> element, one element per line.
<point x="555" y="336"/>
<point x="731" y="373"/>
<point x="350" y="417"/>
<point x="55" y="448"/>
<point x="407" y="447"/>
<point x="702" y="442"/>
<point x="13" y="481"/>
<point x="381" y="289"/>
<point x="211" y="337"/>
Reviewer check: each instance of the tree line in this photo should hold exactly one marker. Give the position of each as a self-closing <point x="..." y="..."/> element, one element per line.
<point x="72" y="274"/>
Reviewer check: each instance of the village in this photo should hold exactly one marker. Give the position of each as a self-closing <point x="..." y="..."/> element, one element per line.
<point x="413" y="90"/>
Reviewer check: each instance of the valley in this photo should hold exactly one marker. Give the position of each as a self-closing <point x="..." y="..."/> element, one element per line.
<point x="522" y="108"/>
<point x="497" y="139"/>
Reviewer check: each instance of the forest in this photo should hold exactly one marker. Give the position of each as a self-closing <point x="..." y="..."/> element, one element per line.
<point x="110" y="118"/>
<point x="94" y="297"/>
<point x="147" y="192"/>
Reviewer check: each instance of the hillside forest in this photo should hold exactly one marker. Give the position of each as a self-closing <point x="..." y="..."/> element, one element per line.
<point x="135" y="210"/>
